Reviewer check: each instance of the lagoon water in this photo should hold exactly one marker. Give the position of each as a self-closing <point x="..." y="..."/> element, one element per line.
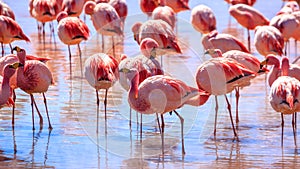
<point x="74" y="143"/>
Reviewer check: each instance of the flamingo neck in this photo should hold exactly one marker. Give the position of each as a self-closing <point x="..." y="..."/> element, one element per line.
<point x="273" y="75"/>
<point x="198" y="100"/>
<point x="285" y="65"/>
<point x="133" y="91"/>
<point x="5" y="90"/>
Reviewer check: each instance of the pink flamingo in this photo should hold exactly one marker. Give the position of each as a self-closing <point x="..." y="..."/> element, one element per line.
<point x="33" y="77"/>
<point x="178" y="5"/>
<point x="73" y="7"/>
<point x="289" y="8"/>
<point x="44" y="11"/>
<point x="121" y="8"/>
<point x="147" y="6"/>
<point x="248" y="17"/>
<point x="101" y="72"/>
<point x="285" y="95"/>
<point x="247" y="2"/>
<point x="224" y="42"/>
<point x="10" y="59"/>
<point x="165" y="13"/>
<point x="5" y="90"/>
<point x="71" y="31"/>
<point x="219" y="76"/>
<point x="10" y="31"/>
<point x="203" y="19"/>
<point x="146" y="65"/>
<point x="6" y="10"/>
<point x="161" y="94"/>
<point x="105" y="19"/>
<point x="268" y="40"/>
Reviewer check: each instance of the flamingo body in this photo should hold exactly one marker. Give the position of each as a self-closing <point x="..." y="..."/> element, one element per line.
<point x="203" y="19"/>
<point x="5" y="90"/>
<point x="166" y="14"/>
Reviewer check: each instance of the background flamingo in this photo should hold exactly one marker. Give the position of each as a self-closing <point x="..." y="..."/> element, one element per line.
<point x="6" y="10"/>
<point x="5" y="90"/>
<point x="203" y="19"/>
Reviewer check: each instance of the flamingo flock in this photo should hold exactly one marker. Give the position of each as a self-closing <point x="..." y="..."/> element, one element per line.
<point x="150" y="89"/>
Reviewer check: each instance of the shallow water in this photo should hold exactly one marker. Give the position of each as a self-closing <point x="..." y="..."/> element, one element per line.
<point x="73" y="142"/>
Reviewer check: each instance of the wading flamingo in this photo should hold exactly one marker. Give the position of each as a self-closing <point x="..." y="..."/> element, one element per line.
<point x="161" y="94"/>
<point x="284" y="97"/>
<point x="268" y="40"/>
<point x="105" y="19"/>
<point x="223" y="41"/>
<point x="33" y="77"/>
<point x="203" y="19"/>
<point x="72" y="31"/>
<point x="219" y="76"/>
<point x="10" y="31"/>
<point x="248" y="17"/>
<point x="101" y="72"/>
<point x="5" y="90"/>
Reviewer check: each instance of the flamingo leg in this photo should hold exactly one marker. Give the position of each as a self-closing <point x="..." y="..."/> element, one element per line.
<point x="102" y="36"/>
<point x="70" y="60"/>
<point x="162" y="134"/>
<point x="296" y="48"/>
<point x="97" y="95"/>
<point x="249" y="47"/>
<point x="158" y="123"/>
<point x="141" y="128"/>
<point x="130" y="112"/>
<point x="282" y="126"/>
<point x="294" y="131"/>
<point x="113" y="46"/>
<point x="230" y="114"/>
<point x="39" y="113"/>
<point x="32" y="111"/>
<point x="105" y="106"/>
<point x="216" y="115"/>
<point x="11" y="49"/>
<point x="182" y="138"/>
<point x="2" y="49"/>
<point x="80" y="59"/>
<point x="13" y="108"/>
<point x="46" y="107"/>
<point x="237" y="97"/>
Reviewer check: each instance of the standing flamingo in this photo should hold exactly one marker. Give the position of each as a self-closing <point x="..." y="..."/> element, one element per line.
<point x="5" y="90"/>
<point x="165" y="13"/>
<point x="223" y="41"/>
<point x="285" y="95"/>
<point x="71" y="31"/>
<point x="203" y="19"/>
<point x="147" y="6"/>
<point x="73" y="7"/>
<point x="101" y="72"/>
<point x="10" y="31"/>
<point x="268" y="40"/>
<point x="161" y="94"/>
<point x="121" y="8"/>
<point x="105" y="19"/>
<point x="33" y="77"/>
<point x="248" y="17"/>
<point x="219" y="76"/>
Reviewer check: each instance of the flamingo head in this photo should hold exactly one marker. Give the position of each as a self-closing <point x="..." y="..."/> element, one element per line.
<point x="9" y="70"/>
<point x="285" y="65"/>
<point x="215" y="53"/>
<point x="135" y="30"/>
<point x="21" y="53"/>
<point x="61" y="15"/>
<point x="271" y="60"/>
<point x="148" y="47"/>
<point x="133" y="76"/>
<point x="89" y="7"/>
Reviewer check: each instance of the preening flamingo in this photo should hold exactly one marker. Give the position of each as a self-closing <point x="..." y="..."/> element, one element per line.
<point x="10" y="31"/>
<point x="101" y="72"/>
<point x="5" y="90"/>
<point x="284" y="97"/>
<point x="268" y="40"/>
<point x="33" y="77"/>
<point x="223" y="41"/>
<point x="203" y="19"/>
<point x="248" y="17"/>
<point x="161" y="94"/>
<point x="71" y="31"/>
<point x="219" y="76"/>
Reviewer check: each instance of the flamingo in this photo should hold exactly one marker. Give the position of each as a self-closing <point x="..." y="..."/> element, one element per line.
<point x="224" y="42"/>
<point x="101" y="72"/>
<point x="73" y="7"/>
<point x="121" y="8"/>
<point x="146" y="65"/>
<point x="5" y="90"/>
<point x="296" y="34"/>
<point x="289" y="8"/>
<point x="268" y="40"/>
<point x="10" y="59"/>
<point x="203" y="19"/>
<point x="33" y="77"/>
<point x="10" y="31"/>
<point x="161" y="94"/>
<point x="161" y="32"/>
<point x="105" y="19"/>
<point x="44" y="11"/>
<point x="285" y="95"/>
<point x="178" y="5"/>
<point x="219" y="76"/>
<point x="165" y="13"/>
<point x="147" y="6"/>
<point x="248" y="17"/>
<point x="71" y="31"/>
<point x="247" y="2"/>
<point x="6" y="10"/>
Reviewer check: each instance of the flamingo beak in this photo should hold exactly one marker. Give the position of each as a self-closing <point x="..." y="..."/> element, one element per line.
<point x="153" y="53"/>
<point x="16" y="48"/>
<point x="264" y="62"/>
<point x="15" y="65"/>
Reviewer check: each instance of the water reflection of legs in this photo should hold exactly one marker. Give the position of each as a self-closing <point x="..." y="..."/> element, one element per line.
<point x="47" y="147"/>
<point x="282" y="126"/>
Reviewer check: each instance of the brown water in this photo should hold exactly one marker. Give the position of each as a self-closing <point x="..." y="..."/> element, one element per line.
<point x="73" y="143"/>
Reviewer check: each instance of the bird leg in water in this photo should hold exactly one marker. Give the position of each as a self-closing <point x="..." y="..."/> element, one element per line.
<point x="230" y="114"/>
<point x="97" y="95"/>
<point x="113" y="46"/>
<point x="249" y="47"/>
<point x="2" y="49"/>
<point x="182" y="138"/>
<point x="282" y="126"/>
<point x="158" y="123"/>
<point x="105" y="105"/>
<point x="46" y="107"/>
<point x="32" y="111"/>
<point x="102" y="36"/>
<point x="13" y="108"/>
<point x="162" y="134"/>
<point x="216" y="115"/>
<point x="294" y="130"/>
<point x="80" y="60"/>
<point x="237" y="96"/>
<point x="141" y="128"/>
<point x="70" y="60"/>
<point x="39" y="113"/>
<point x="130" y="111"/>
<point x="11" y="48"/>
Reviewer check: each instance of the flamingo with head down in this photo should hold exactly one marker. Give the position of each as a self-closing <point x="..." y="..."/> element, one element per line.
<point x="5" y="90"/>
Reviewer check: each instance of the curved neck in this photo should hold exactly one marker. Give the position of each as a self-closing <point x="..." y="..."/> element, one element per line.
<point x="273" y="75"/>
<point x="5" y="90"/>
<point x="133" y="91"/>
